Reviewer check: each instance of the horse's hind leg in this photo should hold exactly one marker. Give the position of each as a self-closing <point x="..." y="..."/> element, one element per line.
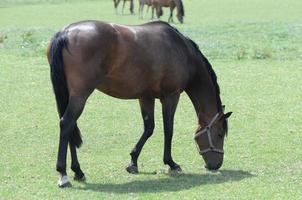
<point x="67" y="126"/>
<point x="147" y="111"/>
<point x="75" y="165"/>
<point x="169" y="105"/>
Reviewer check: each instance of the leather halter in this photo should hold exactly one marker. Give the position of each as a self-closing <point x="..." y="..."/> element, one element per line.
<point x="207" y="130"/>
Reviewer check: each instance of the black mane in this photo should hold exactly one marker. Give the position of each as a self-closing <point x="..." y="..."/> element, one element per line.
<point x="214" y="80"/>
<point x="211" y="73"/>
<point x="209" y="68"/>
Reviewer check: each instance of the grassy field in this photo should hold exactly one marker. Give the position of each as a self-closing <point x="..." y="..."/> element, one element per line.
<point x="256" y="50"/>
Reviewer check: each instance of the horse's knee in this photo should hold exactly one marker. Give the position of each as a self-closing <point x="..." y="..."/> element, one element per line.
<point x="149" y="128"/>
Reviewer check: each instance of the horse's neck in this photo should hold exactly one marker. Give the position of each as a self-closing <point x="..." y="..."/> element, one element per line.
<point x="203" y="95"/>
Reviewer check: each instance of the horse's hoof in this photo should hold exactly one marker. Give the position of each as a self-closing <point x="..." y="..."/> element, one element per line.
<point x="132" y="169"/>
<point x="175" y="170"/>
<point x="80" y="178"/>
<point x="64" y="182"/>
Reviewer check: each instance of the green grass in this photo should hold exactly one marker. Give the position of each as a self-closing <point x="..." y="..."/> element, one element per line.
<point x="256" y="51"/>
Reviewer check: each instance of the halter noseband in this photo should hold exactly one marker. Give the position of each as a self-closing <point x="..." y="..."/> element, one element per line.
<point x="207" y="130"/>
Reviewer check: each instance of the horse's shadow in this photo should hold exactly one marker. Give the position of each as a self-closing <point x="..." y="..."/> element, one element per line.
<point x="176" y="182"/>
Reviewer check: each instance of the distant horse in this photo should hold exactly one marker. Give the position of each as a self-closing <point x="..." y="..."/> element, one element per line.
<point x="143" y="62"/>
<point x="158" y="4"/>
<point x="116" y="3"/>
<point x="141" y="6"/>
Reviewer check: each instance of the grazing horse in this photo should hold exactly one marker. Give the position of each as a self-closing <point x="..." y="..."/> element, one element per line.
<point x="116" y="3"/>
<point x="142" y="62"/>
<point x="141" y="7"/>
<point x="158" y="4"/>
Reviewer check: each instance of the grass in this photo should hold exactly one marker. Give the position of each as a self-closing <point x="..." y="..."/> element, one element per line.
<point x="256" y="52"/>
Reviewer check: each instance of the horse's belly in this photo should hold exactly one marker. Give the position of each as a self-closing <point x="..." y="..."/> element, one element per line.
<point x="122" y="90"/>
<point x="137" y="90"/>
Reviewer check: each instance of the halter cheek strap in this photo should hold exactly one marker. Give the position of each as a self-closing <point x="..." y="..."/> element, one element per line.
<point x="207" y="130"/>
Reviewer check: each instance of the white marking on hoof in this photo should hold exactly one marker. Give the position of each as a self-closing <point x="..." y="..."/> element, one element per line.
<point x="64" y="181"/>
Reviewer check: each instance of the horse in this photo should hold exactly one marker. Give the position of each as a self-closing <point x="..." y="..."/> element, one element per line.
<point x="116" y="3"/>
<point x="141" y="7"/>
<point x="145" y="62"/>
<point x="158" y="4"/>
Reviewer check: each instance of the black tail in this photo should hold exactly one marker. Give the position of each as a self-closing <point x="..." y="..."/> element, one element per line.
<point x="58" y="79"/>
<point x="180" y="7"/>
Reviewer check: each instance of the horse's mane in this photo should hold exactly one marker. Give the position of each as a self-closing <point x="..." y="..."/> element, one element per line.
<point x="214" y="80"/>
<point x="211" y="73"/>
<point x="208" y="66"/>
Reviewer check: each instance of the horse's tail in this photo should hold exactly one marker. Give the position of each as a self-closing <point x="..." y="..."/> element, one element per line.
<point x="58" y="79"/>
<point x="180" y="7"/>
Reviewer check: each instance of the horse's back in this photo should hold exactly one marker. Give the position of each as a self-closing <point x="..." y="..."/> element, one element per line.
<point x="127" y="61"/>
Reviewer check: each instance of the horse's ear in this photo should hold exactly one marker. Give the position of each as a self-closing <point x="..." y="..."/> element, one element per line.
<point x="227" y="115"/>
<point x="223" y="108"/>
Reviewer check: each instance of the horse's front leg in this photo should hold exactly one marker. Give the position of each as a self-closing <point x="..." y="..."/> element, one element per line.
<point x="147" y="111"/>
<point x="169" y="105"/>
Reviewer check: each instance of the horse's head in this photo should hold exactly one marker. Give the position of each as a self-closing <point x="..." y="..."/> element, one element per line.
<point x="209" y="140"/>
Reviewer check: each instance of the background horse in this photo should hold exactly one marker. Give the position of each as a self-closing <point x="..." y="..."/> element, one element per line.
<point x="141" y="7"/>
<point x="116" y="3"/>
<point x="158" y="4"/>
<point x="141" y="62"/>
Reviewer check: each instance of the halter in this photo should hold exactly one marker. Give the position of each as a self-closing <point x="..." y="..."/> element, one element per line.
<point x="207" y="130"/>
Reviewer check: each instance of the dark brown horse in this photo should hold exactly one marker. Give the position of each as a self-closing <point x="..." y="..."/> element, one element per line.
<point x="143" y="62"/>
<point x="158" y="4"/>
<point x="116" y="3"/>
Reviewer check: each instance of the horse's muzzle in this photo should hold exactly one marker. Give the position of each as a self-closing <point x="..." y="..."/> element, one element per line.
<point x="213" y="166"/>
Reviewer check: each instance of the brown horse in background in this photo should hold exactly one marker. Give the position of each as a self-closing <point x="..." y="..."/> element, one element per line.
<point x="116" y="3"/>
<point x="158" y="4"/>
<point x="146" y="62"/>
<point x="141" y="7"/>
